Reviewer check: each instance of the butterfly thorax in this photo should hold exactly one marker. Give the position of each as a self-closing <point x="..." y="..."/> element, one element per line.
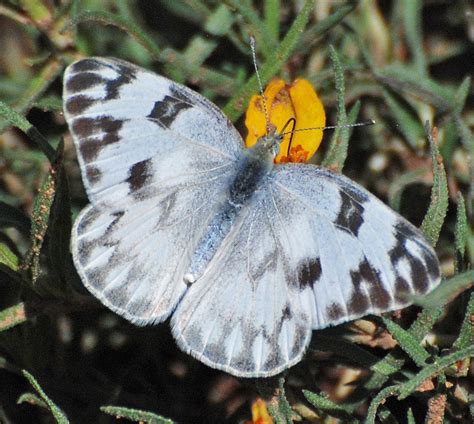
<point x="252" y="168"/>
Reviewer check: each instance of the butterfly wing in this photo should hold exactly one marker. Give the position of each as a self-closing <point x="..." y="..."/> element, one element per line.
<point x="155" y="157"/>
<point x="312" y="250"/>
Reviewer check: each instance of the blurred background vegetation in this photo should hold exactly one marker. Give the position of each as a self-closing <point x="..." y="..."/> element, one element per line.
<point x="65" y="358"/>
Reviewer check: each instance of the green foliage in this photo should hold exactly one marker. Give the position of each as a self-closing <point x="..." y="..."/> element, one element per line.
<point x="366" y="63"/>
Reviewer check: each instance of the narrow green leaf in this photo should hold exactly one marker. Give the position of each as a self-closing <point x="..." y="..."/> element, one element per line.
<point x="59" y="227"/>
<point x="237" y="104"/>
<point x="418" y="329"/>
<point x="336" y="145"/>
<point x="413" y="28"/>
<point x="32" y="399"/>
<point x="432" y="370"/>
<point x="446" y="291"/>
<point x="124" y="24"/>
<point x="17" y="120"/>
<point x="279" y="407"/>
<point x="8" y="258"/>
<point x="272" y="14"/>
<point x="466" y="334"/>
<point x="460" y="234"/>
<point x="325" y="404"/>
<point x="55" y="410"/>
<point x="410" y="417"/>
<point x="198" y="50"/>
<point x="407" y="122"/>
<point x="37" y="85"/>
<point x="256" y="26"/>
<point x="438" y="208"/>
<point x="461" y="94"/>
<point x="39" y="221"/>
<point x="312" y="34"/>
<point x="336" y="157"/>
<point x="219" y="21"/>
<point x="407" y="342"/>
<point x="12" y="316"/>
<point x="402" y="79"/>
<point x="379" y="399"/>
<point x="135" y="415"/>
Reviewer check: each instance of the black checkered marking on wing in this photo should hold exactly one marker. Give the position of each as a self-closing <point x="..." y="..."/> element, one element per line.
<point x="351" y="213"/>
<point x="368" y="277"/>
<point x="422" y="269"/>
<point x="165" y="111"/>
<point x="139" y="174"/>
<point x="95" y="133"/>
<point x="309" y="272"/>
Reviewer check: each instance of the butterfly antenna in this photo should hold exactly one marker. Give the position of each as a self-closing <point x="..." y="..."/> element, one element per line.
<point x="333" y="127"/>
<point x="260" y="86"/>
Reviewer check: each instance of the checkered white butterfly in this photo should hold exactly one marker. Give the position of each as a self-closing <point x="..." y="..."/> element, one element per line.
<point x="246" y="257"/>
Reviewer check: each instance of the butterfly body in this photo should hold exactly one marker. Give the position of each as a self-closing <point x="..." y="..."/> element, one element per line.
<point x="272" y="251"/>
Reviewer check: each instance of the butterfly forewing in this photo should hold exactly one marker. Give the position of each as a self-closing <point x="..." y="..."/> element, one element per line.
<point x="135" y="130"/>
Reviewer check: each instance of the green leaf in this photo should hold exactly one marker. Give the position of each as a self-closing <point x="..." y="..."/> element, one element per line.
<point x="407" y="122"/>
<point x="219" y="21"/>
<point x="379" y="399"/>
<point x="255" y="26"/>
<point x="55" y="410"/>
<point x="433" y="370"/>
<point x="40" y="219"/>
<point x="338" y="145"/>
<point x="135" y="415"/>
<point x="402" y="79"/>
<point x="446" y="291"/>
<point x="36" y="87"/>
<point x="279" y="407"/>
<point x="12" y="316"/>
<point x="407" y="342"/>
<point x="32" y="399"/>
<point x="272" y="12"/>
<point x="60" y="264"/>
<point x="125" y="24"/>
<point x="17" y="120"/>
<point x="418" y="329"/>
<point x="460" y="234"/>
<point x="413" y="27"/>
<point x="8" y="258"/>
<point x="324" y="404"/>
<point x="461" y="94"/>
<point x="434" y="218"/>
<point x="279" y="56"/>
<point x="466" y="334"/>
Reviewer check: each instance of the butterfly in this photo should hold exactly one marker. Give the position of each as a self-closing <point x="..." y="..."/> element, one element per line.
<point x="246" y="257"/>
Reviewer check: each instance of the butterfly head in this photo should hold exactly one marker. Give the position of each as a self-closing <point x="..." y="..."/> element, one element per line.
<point x="270" y="144"/>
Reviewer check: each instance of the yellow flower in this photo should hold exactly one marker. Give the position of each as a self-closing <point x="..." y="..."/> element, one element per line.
<point x="260" y="413"/>
<point x="285" y="101"/>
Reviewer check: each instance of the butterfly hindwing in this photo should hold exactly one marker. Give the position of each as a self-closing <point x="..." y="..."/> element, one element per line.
<point x="312" y="249"/>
